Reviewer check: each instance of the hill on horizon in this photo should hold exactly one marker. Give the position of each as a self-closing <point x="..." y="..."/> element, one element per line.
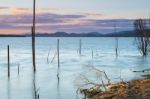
<point x="64" y="34"/>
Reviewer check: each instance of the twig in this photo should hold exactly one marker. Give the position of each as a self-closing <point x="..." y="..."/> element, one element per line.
<point x="48" y="56"/>
<point x="54" y="57"/>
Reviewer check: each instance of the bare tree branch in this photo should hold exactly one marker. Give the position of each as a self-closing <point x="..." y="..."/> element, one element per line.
<point x="142" y="36"/>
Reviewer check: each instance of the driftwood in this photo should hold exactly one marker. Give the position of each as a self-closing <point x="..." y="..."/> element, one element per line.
<point x="99" y="75"/>
<point x="135" y="89"/>
<point x="145" y="70"/>
<point x="103" y="85"/>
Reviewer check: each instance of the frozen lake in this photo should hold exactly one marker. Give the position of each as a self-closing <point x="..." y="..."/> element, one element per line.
<point x="71" y="64"/>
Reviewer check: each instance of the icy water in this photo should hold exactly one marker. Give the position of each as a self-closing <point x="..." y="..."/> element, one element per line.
<point x="71" y="64"/>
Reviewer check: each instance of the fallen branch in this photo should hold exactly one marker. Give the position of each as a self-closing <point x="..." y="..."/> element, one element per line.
<point x="48" y="56"/>
<point x="54" y="57"/>
<point x="142" y="70"/>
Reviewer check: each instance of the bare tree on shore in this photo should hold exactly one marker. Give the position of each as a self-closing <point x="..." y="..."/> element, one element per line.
<point x="142" y="29"/>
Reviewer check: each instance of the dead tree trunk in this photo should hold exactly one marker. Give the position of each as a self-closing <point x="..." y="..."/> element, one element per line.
<point x="34" y="86"/>
<point x="33" y="38"/>
<point x="36" y="94"/>
<point x="8" y="61"/>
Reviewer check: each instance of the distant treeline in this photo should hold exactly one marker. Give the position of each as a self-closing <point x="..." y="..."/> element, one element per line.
<point x="11" y="35"/>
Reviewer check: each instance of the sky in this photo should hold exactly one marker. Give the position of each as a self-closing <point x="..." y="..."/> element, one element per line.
<point x="72" y="16"/>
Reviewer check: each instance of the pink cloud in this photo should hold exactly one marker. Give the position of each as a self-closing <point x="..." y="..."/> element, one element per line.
<point x="20" y="11"/>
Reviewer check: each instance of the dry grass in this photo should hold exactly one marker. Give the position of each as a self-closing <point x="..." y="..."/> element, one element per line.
<point x="136" y="89"/>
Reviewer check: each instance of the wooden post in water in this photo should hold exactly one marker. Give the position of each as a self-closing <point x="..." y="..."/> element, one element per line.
<point x="58" y="76"/>
<point x="58" y="60"/>
<point x="8" y="61"/>
<point x="116" y="38"/>
<point x="33" y="37"/>
<point x="92" y="53"/>
<point x="116" y="46"/>
<point x="149" y="20"/>
<point x="80" y="47"/>
<point x="38" y="96"/>
<point x="18" y="69"/>
<point x="58" y="52"/>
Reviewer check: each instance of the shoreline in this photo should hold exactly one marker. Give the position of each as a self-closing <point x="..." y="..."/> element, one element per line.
<point x="134" y="89"/>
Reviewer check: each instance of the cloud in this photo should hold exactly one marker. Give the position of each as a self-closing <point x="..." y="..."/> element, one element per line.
<point x="50" y="9"/>
<point x="2" y="7"/>
<point x="51" y="22"/>
<point x="94" y="15"/>
<point x="40" y="18"/>
<point x="20" y="11"/>
<point x="13" y="31"/>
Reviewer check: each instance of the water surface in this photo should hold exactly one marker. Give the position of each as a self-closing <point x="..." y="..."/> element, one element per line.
<point x="71" y="64"/>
